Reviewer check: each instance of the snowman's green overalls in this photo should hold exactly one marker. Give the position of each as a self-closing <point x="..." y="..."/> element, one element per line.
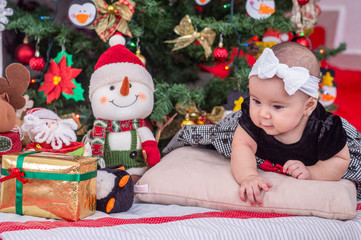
<point x="132" y="158"/>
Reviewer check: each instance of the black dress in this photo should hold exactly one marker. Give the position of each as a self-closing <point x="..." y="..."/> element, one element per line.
<point x="322" y="138"/>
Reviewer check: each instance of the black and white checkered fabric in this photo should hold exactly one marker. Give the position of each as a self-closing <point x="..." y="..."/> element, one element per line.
<point x="219" y="137"/>
<point x="354" y="145"/>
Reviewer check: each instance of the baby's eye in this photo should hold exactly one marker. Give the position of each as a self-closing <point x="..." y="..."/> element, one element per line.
<point x="256" y="101"/>
<point x="111" y="87"/>
<point x="278" y="107"/>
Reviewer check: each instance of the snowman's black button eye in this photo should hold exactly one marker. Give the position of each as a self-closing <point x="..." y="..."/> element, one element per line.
<point x="130" y="85"/>
<point x="112" y="87"/>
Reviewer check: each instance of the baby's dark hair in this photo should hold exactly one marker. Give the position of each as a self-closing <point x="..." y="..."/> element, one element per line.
<point x="294" y="54"/>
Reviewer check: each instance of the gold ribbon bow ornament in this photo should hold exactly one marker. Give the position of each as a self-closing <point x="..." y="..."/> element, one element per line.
<point x="112" y="18"/>
<point x="188" y="35"/>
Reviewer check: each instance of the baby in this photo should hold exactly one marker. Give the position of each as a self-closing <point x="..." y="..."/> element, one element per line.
<point x="283" y="123"/>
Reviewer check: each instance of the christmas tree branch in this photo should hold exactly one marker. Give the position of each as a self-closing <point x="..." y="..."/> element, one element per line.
<point x="325" y="53"/>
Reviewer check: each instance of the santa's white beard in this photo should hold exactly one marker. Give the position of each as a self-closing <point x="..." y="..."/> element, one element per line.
<point x="38" y="131"/>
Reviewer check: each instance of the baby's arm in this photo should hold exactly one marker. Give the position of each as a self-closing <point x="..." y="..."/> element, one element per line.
<point x="244" y="167"/>
<point x="331" y="169"/>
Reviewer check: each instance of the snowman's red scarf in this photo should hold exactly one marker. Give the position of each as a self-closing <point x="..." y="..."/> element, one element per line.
<point x="103" y="127"/>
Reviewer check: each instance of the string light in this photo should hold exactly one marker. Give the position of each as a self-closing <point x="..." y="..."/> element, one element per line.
<point x="322" y="51"/>
<point x="226" y="5"/>
<point x="44" y="17"/>
<point x="33" y="80"/>
<point x="78" y="116"/>
<point x="132" y="44"/>
<point x="234" y="63"/>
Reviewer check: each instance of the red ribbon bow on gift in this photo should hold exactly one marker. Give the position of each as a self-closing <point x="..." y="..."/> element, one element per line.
<point x="270" y="167"/>
<point x="15" y="173"/>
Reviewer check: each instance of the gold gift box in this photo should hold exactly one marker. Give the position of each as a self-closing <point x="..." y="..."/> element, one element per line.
<point x="71" y="196"/>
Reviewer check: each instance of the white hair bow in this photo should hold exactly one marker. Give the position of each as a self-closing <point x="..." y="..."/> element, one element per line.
<point x="294" y="78"/>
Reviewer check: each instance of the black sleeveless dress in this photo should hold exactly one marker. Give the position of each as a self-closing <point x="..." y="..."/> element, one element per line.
<point x="322" y="138"/>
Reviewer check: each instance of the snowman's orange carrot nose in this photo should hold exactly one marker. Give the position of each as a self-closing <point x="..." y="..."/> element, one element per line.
<point x="124" y="90"/>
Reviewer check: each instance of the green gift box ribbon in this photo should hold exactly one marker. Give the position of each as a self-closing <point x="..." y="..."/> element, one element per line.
<point x="41" y="176"/>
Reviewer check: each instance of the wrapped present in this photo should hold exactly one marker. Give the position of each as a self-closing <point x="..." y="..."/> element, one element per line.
<point x="49" y="185"/>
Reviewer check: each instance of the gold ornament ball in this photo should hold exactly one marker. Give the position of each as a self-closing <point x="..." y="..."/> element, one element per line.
<point x="110" y="9"/>
<point x="140" y="56"/>
<point x="187" y="121"/>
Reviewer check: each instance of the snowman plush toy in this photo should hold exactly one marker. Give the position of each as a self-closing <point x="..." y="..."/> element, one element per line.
<point x="121" y="95"/>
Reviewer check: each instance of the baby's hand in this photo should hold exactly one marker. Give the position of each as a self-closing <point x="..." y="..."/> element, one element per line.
<point x="251" y="188"/>
<point x="296" y="169"/>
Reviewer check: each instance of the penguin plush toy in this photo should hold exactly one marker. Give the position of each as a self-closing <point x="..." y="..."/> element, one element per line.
<point x="115" y="190"/>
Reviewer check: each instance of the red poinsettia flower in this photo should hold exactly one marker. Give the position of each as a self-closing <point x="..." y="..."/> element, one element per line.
<point x="58" y="80"/>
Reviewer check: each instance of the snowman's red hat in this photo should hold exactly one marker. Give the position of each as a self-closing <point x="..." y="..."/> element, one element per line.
<point x="115" y="64"/>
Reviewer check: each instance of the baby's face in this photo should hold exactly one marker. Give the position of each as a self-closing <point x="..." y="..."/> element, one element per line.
<point x="273" y="110"/>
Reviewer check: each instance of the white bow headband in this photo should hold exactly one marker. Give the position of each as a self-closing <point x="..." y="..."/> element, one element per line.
<point x="294" y="78"/>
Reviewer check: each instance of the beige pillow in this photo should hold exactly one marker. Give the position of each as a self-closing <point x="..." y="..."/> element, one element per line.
<point x="200" y="177"/>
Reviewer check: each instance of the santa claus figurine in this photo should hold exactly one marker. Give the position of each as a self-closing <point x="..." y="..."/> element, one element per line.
<point x="49" y="133"/>
<point x="121" y="95"/>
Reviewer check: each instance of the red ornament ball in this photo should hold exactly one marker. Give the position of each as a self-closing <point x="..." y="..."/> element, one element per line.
<point x="198" y="9"/>
<point x="303" y="2"/>
<point x="220" y="54"/>
<point x="37" y="63"/>
<point x="305" y="41"/>
<point x="24" y="52"/>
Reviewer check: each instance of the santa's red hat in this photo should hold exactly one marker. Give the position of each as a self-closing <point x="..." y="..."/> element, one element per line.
<point x="115" y="64"/>
<point x="272" y="35"/>
<point x="43" y="113"/>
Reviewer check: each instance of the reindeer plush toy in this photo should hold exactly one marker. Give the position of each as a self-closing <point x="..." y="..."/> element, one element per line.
<point x="12" y="89"/>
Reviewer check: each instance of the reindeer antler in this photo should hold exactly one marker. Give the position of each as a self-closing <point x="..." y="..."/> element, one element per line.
<point x="18" y="79"/>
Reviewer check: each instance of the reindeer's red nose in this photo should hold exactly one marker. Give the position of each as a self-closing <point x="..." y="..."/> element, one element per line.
<point x="124" y="90"/>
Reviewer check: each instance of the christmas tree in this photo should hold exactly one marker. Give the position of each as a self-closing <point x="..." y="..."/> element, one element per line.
<point x="197" y="51"/>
